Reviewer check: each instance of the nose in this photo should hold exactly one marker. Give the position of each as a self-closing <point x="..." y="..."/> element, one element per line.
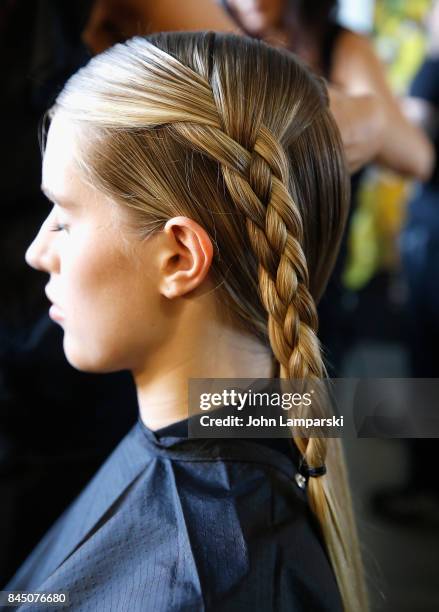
<point x="40" y="254"/>
<point x="31" y="257"/>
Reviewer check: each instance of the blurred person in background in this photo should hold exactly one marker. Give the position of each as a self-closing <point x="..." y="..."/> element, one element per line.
<point x="416" y="501"/>
<point x="362" y="105"/>
<point x="344" y="58"/>
<point x="348" y="62"/>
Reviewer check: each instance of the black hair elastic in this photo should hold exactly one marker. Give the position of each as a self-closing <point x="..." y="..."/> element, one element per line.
<point x="305" y="472"/>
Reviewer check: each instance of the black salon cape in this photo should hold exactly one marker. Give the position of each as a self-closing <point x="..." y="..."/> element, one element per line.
<point x="175" y="524"/>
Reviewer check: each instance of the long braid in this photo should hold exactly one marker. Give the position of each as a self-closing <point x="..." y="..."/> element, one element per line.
<point x="292" y="316"/>
<point x="256" y="181"/>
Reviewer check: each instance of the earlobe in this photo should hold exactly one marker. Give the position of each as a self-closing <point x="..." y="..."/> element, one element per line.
<point x="189" y="258"/>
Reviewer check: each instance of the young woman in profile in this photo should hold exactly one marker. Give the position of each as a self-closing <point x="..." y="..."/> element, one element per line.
<point x="200" y="194"/>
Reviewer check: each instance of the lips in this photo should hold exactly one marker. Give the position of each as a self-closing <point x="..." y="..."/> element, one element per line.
<point x="55" y="311"/>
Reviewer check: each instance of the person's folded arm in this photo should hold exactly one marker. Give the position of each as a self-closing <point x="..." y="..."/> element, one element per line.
<point x="360" y="120"/>
<point x="404" y="147"/>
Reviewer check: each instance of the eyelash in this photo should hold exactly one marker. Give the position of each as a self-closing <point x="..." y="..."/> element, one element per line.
<point x="58" y="227"/>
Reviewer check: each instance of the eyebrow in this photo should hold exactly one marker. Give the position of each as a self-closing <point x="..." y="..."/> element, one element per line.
<point x="58" y="201"/>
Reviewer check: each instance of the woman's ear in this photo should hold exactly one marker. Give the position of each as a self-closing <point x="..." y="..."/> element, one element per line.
<point x="187" y="258"/>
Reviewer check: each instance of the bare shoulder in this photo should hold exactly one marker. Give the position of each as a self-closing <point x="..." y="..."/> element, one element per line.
<point x="356" y="66"/>
<point x="350" y="37"/>
<point x="349" y="42"/>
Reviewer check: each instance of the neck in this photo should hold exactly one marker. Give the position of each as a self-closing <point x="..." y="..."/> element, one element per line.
<point x="200" y="348"/>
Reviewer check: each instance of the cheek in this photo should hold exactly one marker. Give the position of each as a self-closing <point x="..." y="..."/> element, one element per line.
<point x="255" y="22"/>
<point x="113" y="314"/>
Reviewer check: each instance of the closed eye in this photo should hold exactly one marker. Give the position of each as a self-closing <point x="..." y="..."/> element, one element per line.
<point x="58" y="227"/>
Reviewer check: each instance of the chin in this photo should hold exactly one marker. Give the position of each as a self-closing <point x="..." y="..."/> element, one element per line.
<point x="89" y="361"/>
<point x="256" y="25"/>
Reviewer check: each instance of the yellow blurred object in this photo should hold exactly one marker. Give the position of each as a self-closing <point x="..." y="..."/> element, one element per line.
<point x="417" y="9"/>
<point x="408" y="59"/>
<point x="401" y="9"/>
<point x="400" y="40"/>
<point x="374" y="228"/>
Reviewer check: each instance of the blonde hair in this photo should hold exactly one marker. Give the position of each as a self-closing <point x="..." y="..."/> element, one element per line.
<point x="237" y="136"/>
